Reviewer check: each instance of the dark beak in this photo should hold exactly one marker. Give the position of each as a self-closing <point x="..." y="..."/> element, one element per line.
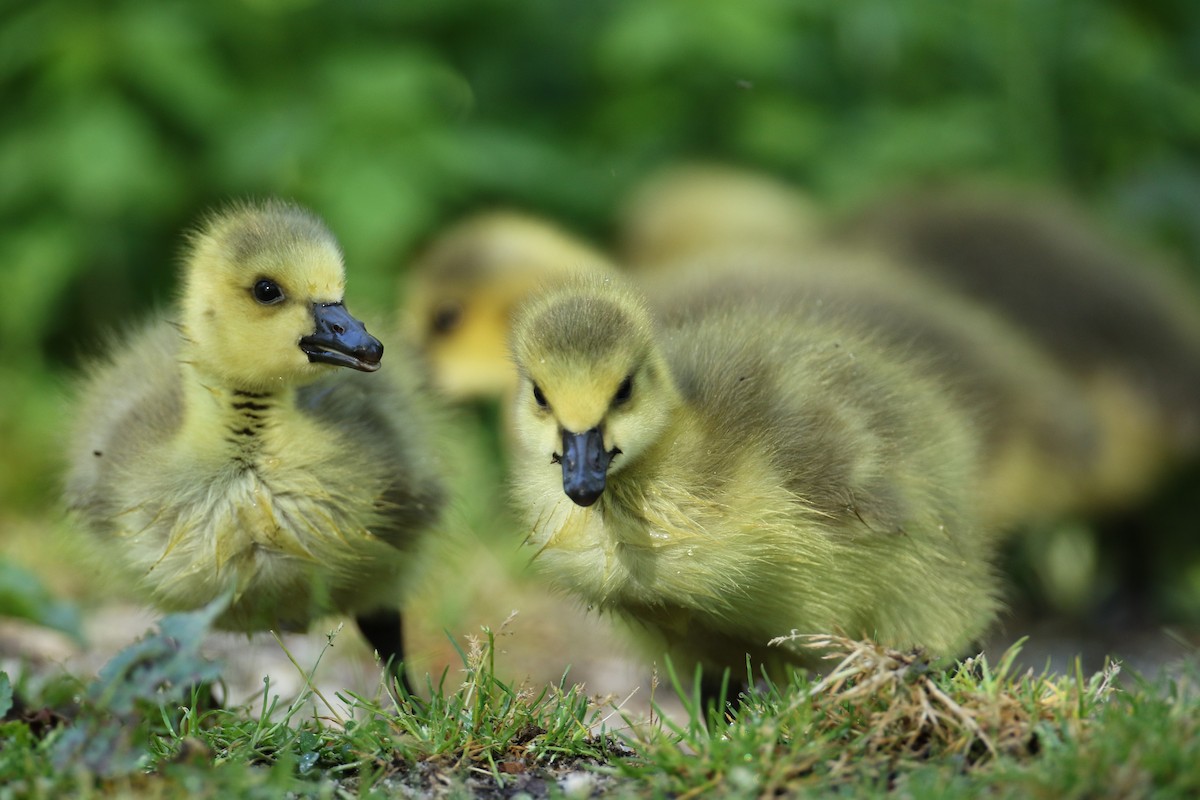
<point x="584" y="465"/>
<point x="341" y="339"/>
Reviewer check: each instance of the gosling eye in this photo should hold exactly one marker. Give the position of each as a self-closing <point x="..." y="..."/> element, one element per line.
<point x="539" y="397"/>
<point x="624" y="391"/>
<point x="267" y="292"/>
<point x="445" y="319"/>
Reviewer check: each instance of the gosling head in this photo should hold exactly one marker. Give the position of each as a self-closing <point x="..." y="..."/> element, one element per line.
<point x="690" y="209"/>
<point x="262" y="300"/>
<point x="466" y="286"/>
<point x="593" y="390"/>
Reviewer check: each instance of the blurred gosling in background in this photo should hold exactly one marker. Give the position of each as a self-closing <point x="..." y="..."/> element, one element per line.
<point x="1036" y="435"/>
<point x="1116" y="321"/>
<point x="465" y="286"/>
<point x="1124" y="331"/>
<point x="239" y="445"/>
<point x="1039" y="436"/>
<point x="694" y="208"/>
<point x="736" y="474"/>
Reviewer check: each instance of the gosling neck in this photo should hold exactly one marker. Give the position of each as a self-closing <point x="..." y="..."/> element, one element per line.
<point x="228" y="421"/>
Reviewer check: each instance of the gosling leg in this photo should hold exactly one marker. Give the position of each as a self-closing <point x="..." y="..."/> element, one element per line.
<point x="384" y="629"/>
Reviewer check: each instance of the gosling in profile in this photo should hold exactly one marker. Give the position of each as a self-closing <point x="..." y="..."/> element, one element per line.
<point x="239" y="444"/>
<point x="466" y="285"/>
<point x="732" y="476"/>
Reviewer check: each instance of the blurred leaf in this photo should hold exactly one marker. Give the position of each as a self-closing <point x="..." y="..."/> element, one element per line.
<point x="891" y="144"/>
<point x="159" y="670"/>
<point x="39" y="259"/>
<point x="23" y="595"/>
<point x="6" y="694"/>
<point x="371" y="91"/>
<point x="22" y="38"/>
<point x="109" y="156"/>
<point x="168" y="51"/>
<point x="776" y="128"/>
<point x="162" y="667"/>
<point x="647" y="40"/>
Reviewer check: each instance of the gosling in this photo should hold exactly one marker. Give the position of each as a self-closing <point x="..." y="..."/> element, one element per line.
<point x="467" y="283"/>
<point x="1119" y="324"/>
<point x="1037" y="435"/>
<point x="692" y="209"/>
<point x="737" y="474"/>
<point x="240" y="446"/>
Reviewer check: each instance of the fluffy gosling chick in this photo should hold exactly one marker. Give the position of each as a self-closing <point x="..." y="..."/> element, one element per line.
<point x="690" y="209"/>
<point x="466" y="285"/>
<point x="740" y="474"/>
<point x="1126" y="330"/>
<point x="239" y="445"/>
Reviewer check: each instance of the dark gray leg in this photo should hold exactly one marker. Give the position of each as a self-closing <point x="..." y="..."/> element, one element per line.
<point x="384" y="629"/>
<point x="720" y="694"/>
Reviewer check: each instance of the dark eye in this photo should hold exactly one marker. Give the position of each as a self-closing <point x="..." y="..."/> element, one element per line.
<point x="539" y="397"/>
<point x="267" y="292"/>
<point x="624" y="391"/>
<point x="446" y="319"/>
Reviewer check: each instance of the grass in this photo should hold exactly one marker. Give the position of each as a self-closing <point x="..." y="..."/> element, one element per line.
<point x="879" y="722"/>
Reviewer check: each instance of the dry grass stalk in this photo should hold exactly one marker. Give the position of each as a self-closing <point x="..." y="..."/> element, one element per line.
<point x="899" y="704"/>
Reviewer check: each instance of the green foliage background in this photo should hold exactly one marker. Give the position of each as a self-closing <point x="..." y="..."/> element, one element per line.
<point x="123" y="120"/>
